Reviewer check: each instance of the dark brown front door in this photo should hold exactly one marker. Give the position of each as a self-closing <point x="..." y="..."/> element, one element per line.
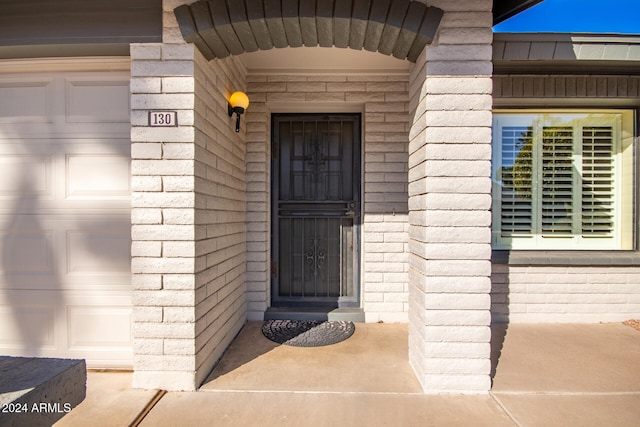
<point x="315" y="209"/>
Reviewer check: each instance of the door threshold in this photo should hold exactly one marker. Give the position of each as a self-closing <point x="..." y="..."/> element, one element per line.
<point x="352" y="314"/>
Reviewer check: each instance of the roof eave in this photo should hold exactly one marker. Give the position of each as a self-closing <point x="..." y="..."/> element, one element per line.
<point x="544" y="53"/>
<point x="505" y="9"/>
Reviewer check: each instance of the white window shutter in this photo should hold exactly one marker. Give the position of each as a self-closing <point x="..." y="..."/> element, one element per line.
<point x="557" y="176"/>
<point x="517" y="169"/>
<point x="597" y="181"/>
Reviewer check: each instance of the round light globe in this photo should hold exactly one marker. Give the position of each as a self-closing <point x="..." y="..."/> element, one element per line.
<point x="239" y="99"/>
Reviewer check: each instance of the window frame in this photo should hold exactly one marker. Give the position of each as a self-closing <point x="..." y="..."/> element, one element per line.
<point x="625" y="198"/>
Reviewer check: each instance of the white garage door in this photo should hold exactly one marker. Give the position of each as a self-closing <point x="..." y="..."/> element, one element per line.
<point x="65" y="216"/>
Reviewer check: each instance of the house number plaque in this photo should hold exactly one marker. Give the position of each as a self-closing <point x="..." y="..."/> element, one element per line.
<point x="163" y="118"/>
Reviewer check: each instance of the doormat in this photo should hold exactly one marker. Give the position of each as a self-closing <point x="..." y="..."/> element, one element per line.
<point x="307" y="333"/>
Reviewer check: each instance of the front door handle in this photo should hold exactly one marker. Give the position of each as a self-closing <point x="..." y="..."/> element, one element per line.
<point x="352" y="211"/>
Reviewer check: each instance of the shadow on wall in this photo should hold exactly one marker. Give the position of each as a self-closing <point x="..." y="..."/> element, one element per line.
<point x="37" y="268"/>
<point x="29" y="262"/>
<point x="499" y="310"/>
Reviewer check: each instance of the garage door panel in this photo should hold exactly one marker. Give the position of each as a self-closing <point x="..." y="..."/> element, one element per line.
<point x="98" y="323"/>
<point x="29" y="327"/>
<point x="99" y="250"/>
<point x="65" y="104"/>
<point x="86" y="324"/>
<point x="26" y="100"/>
<point x="92" y="177"/>
<point x="50" y="252"/>
<point x="104" y="327"/>
<point x="65" y="216"/>
<point x="26" y="176"/>
<point x="70" y="174"/>
<point x="82" y="94"/>
<point x="27" y="249"/>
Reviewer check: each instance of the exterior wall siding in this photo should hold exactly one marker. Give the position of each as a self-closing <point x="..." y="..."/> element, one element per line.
<point x="565" y="293"/>
<point x="188" y="216"/>
<point x="562" y="294"/>
<point x="449" y="203"/>
<point x="163" y="221"/>
<point x="220" y="212"/>
<point x="383" y="102"/>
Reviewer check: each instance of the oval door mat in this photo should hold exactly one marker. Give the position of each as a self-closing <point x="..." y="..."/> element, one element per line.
<point x="307" y="333"/>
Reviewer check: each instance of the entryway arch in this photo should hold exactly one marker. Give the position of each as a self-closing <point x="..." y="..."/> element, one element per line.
<point x="220" y="28"/>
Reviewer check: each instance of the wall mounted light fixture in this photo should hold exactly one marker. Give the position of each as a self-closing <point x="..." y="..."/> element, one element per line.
<point x="238" y="103"/>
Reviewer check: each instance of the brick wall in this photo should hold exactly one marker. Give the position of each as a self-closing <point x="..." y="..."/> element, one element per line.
<point x="450" y="201"/>
<point x="557" y="294"/>
<point x="220" y="212"/>
<point x="188" y="221"/>
<point x="383" y="102"/>
<point x="163" y="252"/>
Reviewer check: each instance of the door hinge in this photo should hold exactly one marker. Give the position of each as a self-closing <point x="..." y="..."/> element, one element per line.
<point x="274" y="268"/>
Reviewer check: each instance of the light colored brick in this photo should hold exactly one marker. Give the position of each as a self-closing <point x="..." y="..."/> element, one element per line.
<point x="162" y="232"/>
<point x="164" y="134"/>
<point x="146" y="216"/>
<point x="162" y="200"/>
<point x="178" y="183"/>
<point x="162" y="101"/>
<point x="146" y="183"/>
<point x="462" y="35"/>
<point x="178" y="281"/>
<point x="140" y="51"/>
<point x="146" y="151"/>
<point x="147" y="314"/>
<point x="178" y="249"/>
<point x="160" y="265"/>
<point x="178" y="314"/>
<point x="146" y="281"/>
<point x="458" y="366"/>
<point x="307" y="87"/>
<point x="178" y="151"/>
<point x="142" y="346"/>
<point x="162" y="167"/>
<point x="177" y="52"/>
<point x="458" y="302"/>
<point x="164" y="298"/>
<point x="146" y="249"/>
<point x="178" y="216"/>
<point x="451" y="151"/>
<point x="460" y="68"/>
<point x="178" y="347"/>
<point x="177" y="84"/>
<point x="146" y="85"/>
<point x="161" y="68"/>
<point x="459" y="118"/>
<point x="462" y="134"/>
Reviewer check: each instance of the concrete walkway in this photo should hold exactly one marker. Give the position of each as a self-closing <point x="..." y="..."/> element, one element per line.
<point x="544" y="375"/>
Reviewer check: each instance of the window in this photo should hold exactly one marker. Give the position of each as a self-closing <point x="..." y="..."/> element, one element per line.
<point x="563" y="180"/>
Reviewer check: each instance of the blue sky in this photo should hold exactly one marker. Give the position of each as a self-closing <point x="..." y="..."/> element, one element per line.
<point x="577" y="16"/>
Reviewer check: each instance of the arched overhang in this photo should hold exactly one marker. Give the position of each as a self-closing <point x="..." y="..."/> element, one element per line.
<point x="220" y="28"/>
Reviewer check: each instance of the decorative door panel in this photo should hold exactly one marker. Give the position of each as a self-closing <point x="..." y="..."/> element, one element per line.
<point x="316" y="209"/>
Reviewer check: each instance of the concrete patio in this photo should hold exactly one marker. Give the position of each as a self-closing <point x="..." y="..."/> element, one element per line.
<point x="544" y="375"/>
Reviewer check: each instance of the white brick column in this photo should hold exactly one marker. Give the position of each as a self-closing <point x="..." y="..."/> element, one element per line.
<point x="163" y="226"/>
<point x="449" y="203"/>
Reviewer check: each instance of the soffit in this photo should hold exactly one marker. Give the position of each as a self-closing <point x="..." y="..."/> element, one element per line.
<point x="322" y="60"/>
